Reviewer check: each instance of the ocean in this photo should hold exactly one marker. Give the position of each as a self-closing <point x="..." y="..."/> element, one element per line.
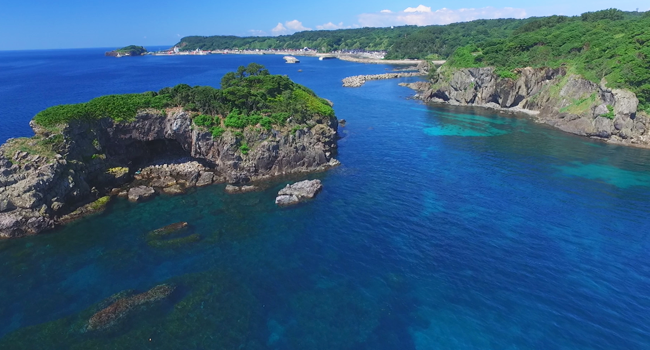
<point x="444" y="228"/>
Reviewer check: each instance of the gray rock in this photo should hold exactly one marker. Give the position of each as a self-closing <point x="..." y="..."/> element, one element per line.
<point x="166" y="181"/>
<point x="174" y="190"/>
<point x="298" y="192"/>
<point x="140" y="193"/>
<point x="286" y="200"/>
<point x="10" y="225"/>
<point x="205" y="178"/>
<point x="240" y="189"/>
<point x="604" y="126"/>
<point x="6" y="205"/>
<point x="626" y="103"/>
<point x="600" y="110"/>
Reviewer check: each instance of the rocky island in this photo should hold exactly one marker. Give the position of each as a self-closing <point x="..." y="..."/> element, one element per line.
<point x="131" y="50"/>
<point x="255" y="127"/>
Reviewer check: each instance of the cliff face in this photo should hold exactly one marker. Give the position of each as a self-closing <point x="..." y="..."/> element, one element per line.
<point x="563" y="100"/>
<point x="91" y="158"/>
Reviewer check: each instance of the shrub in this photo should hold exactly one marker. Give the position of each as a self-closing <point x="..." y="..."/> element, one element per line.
<point x="204" y="120"/>
<point x="610" y="113"/>
<point x="217" y="131"/>
<point x="244" y="148"/>
<point x="505" y="73"/>
<point x="236" y="120"/>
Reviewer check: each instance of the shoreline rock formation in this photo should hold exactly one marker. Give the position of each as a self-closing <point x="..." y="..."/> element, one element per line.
<point x="89" y="159"/>
<point x="298" y="192"/>
<point x="553" y="96"/>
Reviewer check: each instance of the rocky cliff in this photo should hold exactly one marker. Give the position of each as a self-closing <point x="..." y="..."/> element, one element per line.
<point x="554" y="96"/>
<point x="50" y="175"/>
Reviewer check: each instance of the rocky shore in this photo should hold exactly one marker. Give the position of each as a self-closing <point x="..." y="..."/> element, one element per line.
<point x="46" y="178"/>
<point x="553" y="96"/>
<point x="359" y="80"/>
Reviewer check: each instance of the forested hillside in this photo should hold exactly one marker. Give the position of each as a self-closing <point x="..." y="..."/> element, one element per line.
<point x="608" y="44"/>
<point x="371" y="39"/>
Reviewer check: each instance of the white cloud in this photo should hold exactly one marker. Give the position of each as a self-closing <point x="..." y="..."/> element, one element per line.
<point x="279" y="29"/>
<point x="289" y="27"/>
<point x="423" y="15"/>
<point x="296" y="26"/>
<point x="386" y="11"/>
<point x="420" y="8"/>
<point x="330" y="26"/>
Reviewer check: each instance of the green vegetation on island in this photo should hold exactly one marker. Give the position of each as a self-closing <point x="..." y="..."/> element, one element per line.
<point x="611" y="44"/>
<point x="248" y="97"/>
<point x="131" y="50"/>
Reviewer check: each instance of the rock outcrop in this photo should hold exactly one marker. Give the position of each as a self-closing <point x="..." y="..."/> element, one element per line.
<point x="240" y="189"/>
<point x="121" y="308"/>
<point x="54" y="173"/>
<point x="141" y="193"/>
<point x="568" y="102"/>
<point x="298" y="192"/>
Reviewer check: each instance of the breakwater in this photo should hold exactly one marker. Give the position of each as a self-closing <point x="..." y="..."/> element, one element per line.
<point x="359" y="80"/>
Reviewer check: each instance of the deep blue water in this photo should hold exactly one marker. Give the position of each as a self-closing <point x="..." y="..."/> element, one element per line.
<point x="443" y="228"/>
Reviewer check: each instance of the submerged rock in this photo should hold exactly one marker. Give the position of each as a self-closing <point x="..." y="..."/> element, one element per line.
<point x="140" y="193"/>
<point x="95" y="207"/>
<point x="167" y="230"/>
<point x="171" y="236"/>
<point x="240" y="189"/>
<point x="298" y="192"/>
<point x="175" y="242"/>
<point x="174" y="190"/>
<point x="115" y="312"/>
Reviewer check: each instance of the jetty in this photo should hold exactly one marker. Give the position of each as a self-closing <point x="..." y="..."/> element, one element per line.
<point x="358" y="80"/>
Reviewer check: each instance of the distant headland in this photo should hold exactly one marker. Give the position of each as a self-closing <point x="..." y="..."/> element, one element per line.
<point x="131" y="50"/>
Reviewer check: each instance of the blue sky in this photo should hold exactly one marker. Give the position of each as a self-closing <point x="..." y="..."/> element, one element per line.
<point x="40" y="24"/>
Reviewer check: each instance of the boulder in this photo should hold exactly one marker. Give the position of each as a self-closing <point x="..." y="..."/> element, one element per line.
<point x="140" y="193"/>
<point x="298" y="192"/>
<point x="240" y="189"/>
<point x="205" y="178"/>
<point x="173" y="190"/>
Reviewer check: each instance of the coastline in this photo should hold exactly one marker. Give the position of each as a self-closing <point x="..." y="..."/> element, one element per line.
<point x="549" y="97"/>
<point x="367" y="58"/>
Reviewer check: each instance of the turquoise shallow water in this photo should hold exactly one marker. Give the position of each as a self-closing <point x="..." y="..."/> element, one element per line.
<point x="443" y="229"/>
